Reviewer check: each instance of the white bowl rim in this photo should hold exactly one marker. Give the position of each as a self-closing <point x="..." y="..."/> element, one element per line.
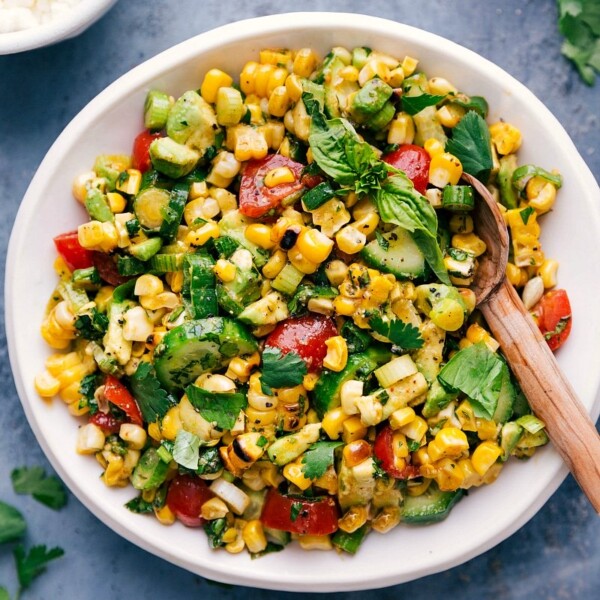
<point x="239" y="31"/>
<point x="79" y="18"/>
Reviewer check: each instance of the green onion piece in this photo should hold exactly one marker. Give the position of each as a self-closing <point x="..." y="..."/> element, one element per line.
<point x="349" y="542"/>
<point x="128" y="265"/>
<point x="156" y="109"/>
<point x="288" y="280"/>
<point x="530" y="423"/>
<point x="86" y="277"/>
<point x="458" y="198"/>
<point x="167" y="263"/>
<point x="164" y="454"/>
<point x="147" y="249"/>
<point x="523" y="174"/>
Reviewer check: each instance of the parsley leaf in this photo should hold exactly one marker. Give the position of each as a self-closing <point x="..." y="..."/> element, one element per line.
<point x="153" y="400"/>
<point x="91" y="326"/>
<point x="222" y="408"/>
<point x="295" y="510"/>
<point x="415" y="104"/>
<point x="471" y="144"/>
<point x="32" y="564"/>
<point x="477" y="103"/>
<point x="186" y="450"/>
<point x="282" y="370"/>
<point x="139" y="505"/>
<point x="383" y="242"/>
<point x="318" y="458"/>
<point x="214" y="532"/>
<point x="87" y="388"/>
<point x="399" y="333"/>
<point x="12" y="523"/>
<point x="526" y="213"/>
<point x="47" y="490"/>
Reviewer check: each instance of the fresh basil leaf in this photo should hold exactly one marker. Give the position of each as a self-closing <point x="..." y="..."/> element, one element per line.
<point x="12" y="523"/>
<point x="415" y="104"/>
<point x="186" y="450"/>
<point x="221" y="408"/>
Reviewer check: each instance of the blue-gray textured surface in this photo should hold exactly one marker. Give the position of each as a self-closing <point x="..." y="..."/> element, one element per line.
<point x="556" y="555"/>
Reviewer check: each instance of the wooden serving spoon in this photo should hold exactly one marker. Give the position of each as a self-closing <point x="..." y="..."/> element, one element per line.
<point x="549" y="393"/>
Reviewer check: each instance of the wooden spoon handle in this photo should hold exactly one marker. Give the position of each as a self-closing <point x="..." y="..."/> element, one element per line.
<point x="549" y="393"/>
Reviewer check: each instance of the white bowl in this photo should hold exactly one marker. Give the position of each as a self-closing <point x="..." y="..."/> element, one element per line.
<point x="66" y="26"/>
<point x="109" y="124"/>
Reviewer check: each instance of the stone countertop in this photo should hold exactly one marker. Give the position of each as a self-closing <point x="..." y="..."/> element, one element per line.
<point x="556" y="555"/>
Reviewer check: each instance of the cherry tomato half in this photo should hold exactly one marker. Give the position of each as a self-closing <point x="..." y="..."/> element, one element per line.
<point x="306" y="336"/>
<point x="107" y="422"/>
<point x="256" y="199"/>
<point x="73" y="253"/>
<point x="553" y="313"/>
<point x="315" y="516"/>
<point x="107" y="268"/>
<point x="120" y="396"/>
<point x="384" y="452"/>
<point x="185" y="497"/>
<point x="141" y="153"/>
<point x="414" y="161"/>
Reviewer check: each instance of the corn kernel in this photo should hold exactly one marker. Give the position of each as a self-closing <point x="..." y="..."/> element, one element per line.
<point x="449" y="475"/>
<point x="353" y="429"/>
<point x="254" y="536"/>
<point x="415" y="429"/>
<point x="444" y="169"/>
<point x="541" y="195"/>
<point x="164" y="515"/>
<point x="401" y="417"/>
<point x="314" y="245"/>
<point x="484" y="456"/>
<point x="401" y="129"/>
<point x="225" y="270"/>
<point x="344" y="306"/>
<point x="294" y="473"/>
<point x="171" y="424"/>
<point x="409" y="65"/>
<point x="303" y="264"/>
<point x="90" y="439"/>
<point x="548" y="272"/>
<point x="213" y="80"/>
<point x="476" y="333"/>
<point x="315" y="542"/>
<point x="305" y="62"/>
<point x="433" y="147"/>
<point x="116" y="202"/>
<point x="469" y="242"/>
<point x="505" y="137"/>
<point x="278" y="176"/>
<point x="386" y="519"/>
<point x="350" y="240"/>
<point x="200" y="236"/>
<point x="450" y="115"/>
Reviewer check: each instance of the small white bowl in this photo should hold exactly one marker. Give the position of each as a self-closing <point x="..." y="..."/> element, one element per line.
<point x="66" y="26"/>
<point x="110" y="122"/>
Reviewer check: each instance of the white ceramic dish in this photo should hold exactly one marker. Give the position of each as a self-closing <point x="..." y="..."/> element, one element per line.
<point x="67" y="26"/>
<point x="109" y="124"/>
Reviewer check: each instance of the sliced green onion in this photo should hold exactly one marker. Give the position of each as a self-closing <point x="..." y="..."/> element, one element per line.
<point x="530" y="423"/>
<point x="523" y="174"/>
<point x="156" y="109"/>
<point x="288" y="280"/>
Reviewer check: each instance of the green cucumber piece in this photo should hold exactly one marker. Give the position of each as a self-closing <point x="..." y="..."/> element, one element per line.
<point x="147" y="249"/>
<point x="349" y="542"/>
<point x="173" y="212"/>
<point x="430" y="507"/>
<point x="458" y="198"/>
<point x="233" y="225"/>
<point x="167" y="263"/>
<point x="150" y="471"/>
<point x="156" y="110"/>
<point x="97" y="206"/>
<point x="199" y="293"/>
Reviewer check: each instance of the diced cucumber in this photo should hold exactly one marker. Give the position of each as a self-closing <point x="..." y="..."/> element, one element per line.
<point x="430" y="507"/>
<point x="97" y="206"/>
<point x="167" y="263"/>
<point x="196" y="347"/>
<point x="287" y="448"/>
<point x="198" y="291"/>
<point x="288" y="280"/>
<point x="156" y="110"/>
<point x="349" y="542"/>
<point x="173" y="212"/>
<point x="150" y="471"/>
<point x="147" y="249"/>
<point x="233" y="224"/>
<point x="437" y="399"/>
<point x="402" y="258"/>
<point x="509" y="438"/>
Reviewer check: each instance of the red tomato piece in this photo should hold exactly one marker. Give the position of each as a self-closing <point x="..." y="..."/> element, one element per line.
<point x="554" y="317"/>
<point x="141" y="153"/>
<point x="107" y="268"/>
<point x="314" y="516"/>
<point x="256" y="199"/>
<point x="311" y="181"/>
<point x="306" y="336"/>
<point x="414" y="161"/>
<point x="73" y="253"/>
<point x="107" y="422"/>
<point x="385" y="454"/>
<point x="185" y="497"/>
<point x="120" y="396"/>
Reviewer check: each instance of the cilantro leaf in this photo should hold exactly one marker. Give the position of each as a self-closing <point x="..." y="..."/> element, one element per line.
<point x="91" y="326"/>
<point x="32" y="564"/>
<point x="47" y="490"/>
<point x="222" y="408"/>
<point x="415" y="104"/>
<point x="383" y="242"/>
<point x="282" y="370"/>
<point x="87" y="388"/>
<point x="318" y="458"/>
<point x="186" y="450"/>
<point x="471" y="144"/>
<point x="214" y="532"/>
<point x="526" y="213"/>
<point x="139" y="505"/>
<point x="153" y="400"/>
<point x="477" y="103"/>
<point x="399" y="333"/>
<point x="12" y="523"/>
<point x="477" y="372"/>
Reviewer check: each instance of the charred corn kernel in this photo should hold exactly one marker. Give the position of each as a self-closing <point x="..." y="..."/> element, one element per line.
<point x="214" y="508"/>
<point x="314" y="245"/>
<point x="401" y="417"/>
<point x="367" y="224"/>
<point x="90" y="439"/>
<point x="415" y="429"/>
<point x="164" y="515"/>
<point x="353" y="429"/>
<point x="469" y="242"/>
<point x="461" y="223"/>
<point x="486" y="429"/>
<point x="505" y="137"/>
<point x="451" y="441"/>
<point x="254" y="536"/>
<point x="315" y="542"/>
<point x="200" y="236"/>
<point x="441" y="87"/>
<point x="548" y="272"/>
<point x="433" y="147"/>
<point x="541" y="195"/>
<point x="444" y="169"/>
<point x="476" y="333"/>
<point x="309" y="381"/>
<point x="409" y="65"/>
<point x="278" y="176"/>
<point x="333" y="422"/>
<point x="331" y="216"/>
<point x="154" y="432"/>
<point x="466" y="416"/>
<point x="213" y="80"/>
<point x="303" y="264"/>
<point x="373" y="68"/>
<point x="81" y="184"/>
<point x="450" y="115"/>
<point x="171" y="424"/>
<point x="116" y="202"/>
<point x="279" y="101"/>
<point x="113" y="474"/>
<point x="148" y="285"/>
<point x="354" y="518"/>
<point x="401" y="129"/>
<point x="387" y="518"/>
<point x="336" y="272"/>
<point x="294" y="473"/>
<point x="305" y="62"/>
<point x="46" y="385"/>
<point x="355" y="452"/>
<point x="350" y="240"/>
<point x="225" y="270"/>
<point x="484" y="456"/>
<point x="449" y="475"/>
<point x="134" y="435"/>
<point x="344" y="306"/>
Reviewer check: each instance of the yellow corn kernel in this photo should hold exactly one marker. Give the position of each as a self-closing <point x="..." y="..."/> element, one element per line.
<point x="271" y="56"/>
<point x="261" y="80"/>
<point x="354" y="518"/>
<point x="148" y="285"/>
<point x="154" y="432"/>
<point x="70" y="393"/>
<point x="401" y="417"/>
<point x="230" y="535"/>
<point x="214" y="508"/>
<point x="476" y="333"/>
<point x="445" y="169"/>
<point x="278" y="176"/>
<point x="225" y="270"/>
<point x="96" y="235"/>
<point x="248" y="77"/>
<point x="293" y="472"/>
<point x="505" y="137"/>
<point x="344" y="306"/>
<point x="131" y="183"/>
<point x="415" y="429"/>
<point x="418" y="489"/>
<point x="116" y="202"/>
<point x="401" y="129"/>
<point x="461" y="223"/>
<point x="441" y="87"/>
<point x="486" y="430"/>
<point x="276" y="79"/>
<point x="171" y="424"/>
<point x="469" y="242"/>
<point x="450" y="115"/>
<point x="254" y="536"/>
<point x="470" y="476"/>
<point x="314" y="245"/>
<point x="81" y="184"/>
<point x="541" y="194"/>
<point x="113" y="475"/>
<point x="337" y="354"/>
<point x="387" y="518"/>
<point x="484" y="456"/>
<point x="449" y="475"/>
<point x="548" y="272"/>
<point x="399" y="446"/>
<point x="279" y="101"/>
<point x="409" y="65"/>
<point x="396" y="77"/>
<point x="164" y="515"/>
<point x="350" y="240"/>
<point x="200" y="236"/>
<point x="301" y="263"/>
<point x="305" y="62"/>
<point x="433" y="147"/>
<point x="293" y="85"/>
<point x="74" y="374"/>
<point x="353" y="429"/>
<point x="198" y="189"/>
<point x="367" y="224"/>
<point x="421" y="457"/>
<point x="258" y="419"/>
<point x="373" y="68"/>
<point x="464" y="413"/>
<point x="274" y="264"/>
<point x="348" y="73"/>
<point x="213" y="80"/>
<point x="259" y="234"/>
<point x="309" y="381"/>
<point x="46" y="385"/>
<point x="333" y="422"/>
<point x="516" y="275"/>
<point x="315" y="542"/>
<point x="336" y="271"/>
<point x="451" y="441"/>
